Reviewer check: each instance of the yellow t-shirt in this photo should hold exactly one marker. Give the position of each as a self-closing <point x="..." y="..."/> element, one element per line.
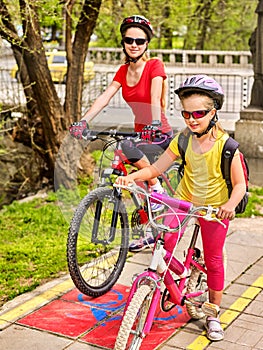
<point x="203" y="182"/>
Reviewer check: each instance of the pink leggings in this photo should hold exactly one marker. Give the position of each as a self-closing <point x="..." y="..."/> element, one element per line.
<point x="213" y="238"/>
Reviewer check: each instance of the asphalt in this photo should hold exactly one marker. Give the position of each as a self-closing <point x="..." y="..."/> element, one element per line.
<point x="241" y="312"/>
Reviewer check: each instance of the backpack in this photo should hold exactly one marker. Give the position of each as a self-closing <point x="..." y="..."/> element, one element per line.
<point x="228" y="152"/>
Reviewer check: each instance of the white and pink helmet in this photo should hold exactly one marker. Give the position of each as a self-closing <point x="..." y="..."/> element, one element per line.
<point x="205" y="84"/>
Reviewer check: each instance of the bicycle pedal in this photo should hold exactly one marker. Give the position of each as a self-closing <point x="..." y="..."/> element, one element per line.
<point x="210" y="309"/>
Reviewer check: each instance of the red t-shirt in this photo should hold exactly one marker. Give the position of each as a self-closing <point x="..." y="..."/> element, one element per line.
<point x="138" y="96"/>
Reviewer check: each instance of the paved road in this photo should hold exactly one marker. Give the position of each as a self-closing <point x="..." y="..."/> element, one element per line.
<point x="53" y="316"/>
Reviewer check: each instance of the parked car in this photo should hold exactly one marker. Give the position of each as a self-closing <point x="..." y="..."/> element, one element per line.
<point x="57" y="63"/>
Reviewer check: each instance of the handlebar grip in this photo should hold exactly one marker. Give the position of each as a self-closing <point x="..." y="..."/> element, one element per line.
<point x="88" y="134"/>
<point x="172" y="202"/>
<point x="85" y="134"/>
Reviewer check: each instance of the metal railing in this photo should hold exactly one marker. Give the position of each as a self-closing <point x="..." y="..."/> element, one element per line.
<point x="179" y="58"/>
<point x="237" y="89"/>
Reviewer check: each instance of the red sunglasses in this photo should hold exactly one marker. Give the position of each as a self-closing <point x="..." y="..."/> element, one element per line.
<point x="195" y="114"/>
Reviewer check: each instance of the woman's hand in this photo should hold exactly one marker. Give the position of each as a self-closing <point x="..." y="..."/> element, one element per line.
<point x="123" y="180"/>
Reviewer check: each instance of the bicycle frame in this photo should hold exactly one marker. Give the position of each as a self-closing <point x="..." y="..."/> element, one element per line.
<point x="163" y="262"/>
<point x="119" y="167"/>
<point x="158" y="272"/>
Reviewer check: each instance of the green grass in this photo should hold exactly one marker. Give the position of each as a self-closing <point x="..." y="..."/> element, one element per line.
<point x="255" y="203"/>
<point x="32" y="246"/>
<point x="33" y="240"/>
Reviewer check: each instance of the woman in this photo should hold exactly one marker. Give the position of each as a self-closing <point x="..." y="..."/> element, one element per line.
<point x="203" y="182"/>
<point x="143" y="83"/>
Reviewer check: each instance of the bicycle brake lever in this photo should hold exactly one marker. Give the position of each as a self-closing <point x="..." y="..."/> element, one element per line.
<point x="208" y="215"/>
<point x="125" y="187"/>
<point x="131" y="186"/>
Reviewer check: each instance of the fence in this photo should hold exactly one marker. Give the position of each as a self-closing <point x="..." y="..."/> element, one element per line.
<point x="171" y="57"/>
<point x="180" y="58"/>
<point x="237" y="88"/>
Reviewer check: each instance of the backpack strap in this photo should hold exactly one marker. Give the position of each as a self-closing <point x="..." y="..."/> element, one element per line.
<point x="227" y="155"/>
<point x="183" y="140"/>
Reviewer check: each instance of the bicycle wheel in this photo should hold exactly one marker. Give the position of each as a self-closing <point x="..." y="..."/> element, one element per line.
<point x="171" y="178"/>
<point x="98" y="242"/>
<point x="134" y="319"/>
<point x="198" y="281"/>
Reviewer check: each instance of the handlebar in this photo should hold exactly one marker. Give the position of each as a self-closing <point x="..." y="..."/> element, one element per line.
<point x="147" y="135"/>
<point x="88" y="134"/>
<point x="172" y="204"/>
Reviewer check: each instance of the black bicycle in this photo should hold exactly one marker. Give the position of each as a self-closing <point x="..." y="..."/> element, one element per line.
<point x="98" y="237"/>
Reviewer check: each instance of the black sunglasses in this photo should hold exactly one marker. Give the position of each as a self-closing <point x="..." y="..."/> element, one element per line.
<point x="138" y="41"/>
<point x="195" y="114"/>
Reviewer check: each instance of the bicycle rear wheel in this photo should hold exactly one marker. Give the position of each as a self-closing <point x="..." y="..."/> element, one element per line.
<point x="98" y="240"/>
<point x="197" y="282"/>
<point x="134" y="320"/>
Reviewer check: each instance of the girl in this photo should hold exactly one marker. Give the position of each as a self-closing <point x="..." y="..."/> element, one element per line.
<point x="203" y="183"/>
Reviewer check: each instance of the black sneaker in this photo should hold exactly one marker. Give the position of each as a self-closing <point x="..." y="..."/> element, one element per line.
<point x="141" y="244"/>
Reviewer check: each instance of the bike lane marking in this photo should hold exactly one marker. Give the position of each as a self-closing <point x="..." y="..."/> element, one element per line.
<point x="74" y="314"/>
<point x="201" y="342"/>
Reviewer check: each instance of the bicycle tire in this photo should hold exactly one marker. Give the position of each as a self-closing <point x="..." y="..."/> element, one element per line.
<point x="95" y="259"/>
<point x="196" y="282"/>
<point x="173" y="178"/>
<point x="137" y="310"/>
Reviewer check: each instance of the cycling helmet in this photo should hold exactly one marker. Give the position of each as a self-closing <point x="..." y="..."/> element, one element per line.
<point x="137" y="21"/>
<point x="205" y="84"/>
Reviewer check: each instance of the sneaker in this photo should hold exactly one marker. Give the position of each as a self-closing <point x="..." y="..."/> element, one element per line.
<point x="158" y="206"/>
<point x="141" y="244"/>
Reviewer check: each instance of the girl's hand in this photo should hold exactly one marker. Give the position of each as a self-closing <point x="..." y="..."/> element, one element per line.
<point x="226" y="212"/>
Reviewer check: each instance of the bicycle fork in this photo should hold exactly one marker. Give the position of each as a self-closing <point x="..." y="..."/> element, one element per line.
<point x="116" y="195"/>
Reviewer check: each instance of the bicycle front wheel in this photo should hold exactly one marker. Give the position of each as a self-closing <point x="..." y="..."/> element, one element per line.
<point x="171" y="178"/>
<point x="98" y="240"/>
<point x="134" y="320"/>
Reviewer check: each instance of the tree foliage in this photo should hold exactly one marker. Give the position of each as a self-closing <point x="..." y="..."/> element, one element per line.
<point x="186" y="24"/>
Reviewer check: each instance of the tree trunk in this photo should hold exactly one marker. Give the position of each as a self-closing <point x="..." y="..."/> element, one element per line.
<point x="76" y="55"/>
<point x="203" y="13"/>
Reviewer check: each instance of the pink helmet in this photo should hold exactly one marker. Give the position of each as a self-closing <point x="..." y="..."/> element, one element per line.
<point x="205" y="84"/>
<point x="137" y="21"/>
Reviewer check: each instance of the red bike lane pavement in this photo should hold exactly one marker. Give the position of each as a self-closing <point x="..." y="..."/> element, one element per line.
<point x="58" y="310"/>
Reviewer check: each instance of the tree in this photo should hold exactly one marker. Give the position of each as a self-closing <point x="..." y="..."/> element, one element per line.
<point x="44" y="128"/>
<point x="256" y="48"/>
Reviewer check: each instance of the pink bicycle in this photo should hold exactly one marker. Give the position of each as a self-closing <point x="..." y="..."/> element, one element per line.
<point x="189" y="289"/>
